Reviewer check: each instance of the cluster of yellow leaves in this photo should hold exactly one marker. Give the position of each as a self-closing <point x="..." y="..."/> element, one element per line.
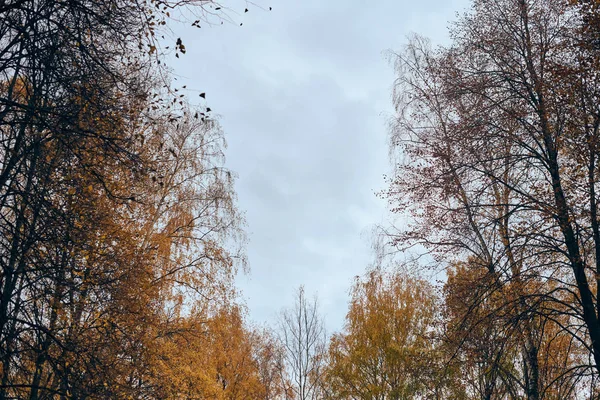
<point x="216" y="357"/>
<point x="387" y="340"/>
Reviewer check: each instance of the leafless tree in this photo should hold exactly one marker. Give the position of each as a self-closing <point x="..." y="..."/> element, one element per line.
<point x="303" y="336"/>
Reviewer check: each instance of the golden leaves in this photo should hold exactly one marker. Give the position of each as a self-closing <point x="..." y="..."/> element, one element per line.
<point x="386" y="340"/>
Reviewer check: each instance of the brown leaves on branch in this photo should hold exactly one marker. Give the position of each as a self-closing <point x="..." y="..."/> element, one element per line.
<point x="497" y="140"/>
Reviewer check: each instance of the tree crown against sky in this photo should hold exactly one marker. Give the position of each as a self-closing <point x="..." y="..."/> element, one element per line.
<point x="119" y="223"/>
<point x="121" y="235"/>
<point x="498" y="134"/>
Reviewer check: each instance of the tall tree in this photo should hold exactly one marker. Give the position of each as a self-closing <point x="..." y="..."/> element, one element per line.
<point x="116" y="209"/>
<point x="498" y="133"/>
<point x="302" y="334"/>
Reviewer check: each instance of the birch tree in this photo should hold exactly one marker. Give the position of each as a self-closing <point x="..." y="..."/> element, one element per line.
<point x="302" y="334"/>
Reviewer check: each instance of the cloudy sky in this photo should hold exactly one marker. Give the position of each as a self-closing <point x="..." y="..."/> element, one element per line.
<point x="303" y="93"/>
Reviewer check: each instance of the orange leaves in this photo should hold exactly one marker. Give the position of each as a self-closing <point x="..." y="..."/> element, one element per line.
<point x="215" y="356"/>
<point x="119" y="221"/>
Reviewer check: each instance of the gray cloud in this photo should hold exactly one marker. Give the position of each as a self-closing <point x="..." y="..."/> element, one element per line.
<point x="303" y="93"/>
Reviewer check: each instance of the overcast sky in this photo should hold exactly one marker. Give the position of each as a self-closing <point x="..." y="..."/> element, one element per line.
<point x="303" y="93"/>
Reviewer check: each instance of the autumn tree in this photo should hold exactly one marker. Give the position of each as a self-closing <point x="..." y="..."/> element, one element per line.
<point x="386" y="348"/>
<point x="498" y="166"/>
<point x="218" y="357"/>
<point x="132" y="268"/>
<point x="268" y="353"/>
<point x="117" y="213"/>
<point x="303" y="337"/>
<point x="485" y="342"/>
